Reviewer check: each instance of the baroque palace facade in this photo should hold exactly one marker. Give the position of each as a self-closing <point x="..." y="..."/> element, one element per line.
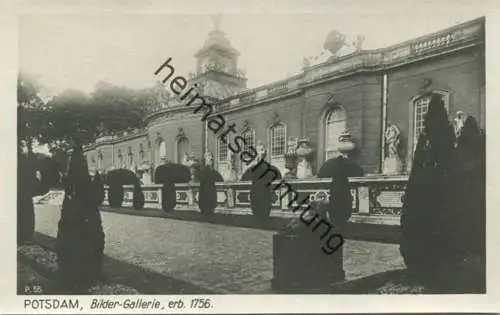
<point x="374" y="99"/>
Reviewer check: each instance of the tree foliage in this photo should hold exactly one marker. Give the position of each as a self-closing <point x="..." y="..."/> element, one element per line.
<point x="75" y="116"/>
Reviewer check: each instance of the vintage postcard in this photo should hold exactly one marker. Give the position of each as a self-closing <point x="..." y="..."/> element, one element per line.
<point x="302" y="158"/>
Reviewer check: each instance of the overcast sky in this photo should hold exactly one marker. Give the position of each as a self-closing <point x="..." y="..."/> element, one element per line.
<point x="77" y="51"/>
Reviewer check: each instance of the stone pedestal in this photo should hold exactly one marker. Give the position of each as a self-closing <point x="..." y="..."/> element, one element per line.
<point x="300" y="265"/>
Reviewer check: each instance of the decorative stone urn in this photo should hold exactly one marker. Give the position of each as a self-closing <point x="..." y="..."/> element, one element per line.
<point x="291" y="158"/>
<point x="346" y="144"/>
<point x="304" y="153"/>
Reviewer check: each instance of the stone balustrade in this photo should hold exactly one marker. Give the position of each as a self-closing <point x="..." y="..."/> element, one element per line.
<point x="377" y="199"/>
<point x="366" y="60"/>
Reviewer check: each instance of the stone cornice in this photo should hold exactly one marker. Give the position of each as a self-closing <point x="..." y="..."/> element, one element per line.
<point x="440" y="43"/>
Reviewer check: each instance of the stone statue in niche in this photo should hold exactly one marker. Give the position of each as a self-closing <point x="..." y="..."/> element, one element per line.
<point x="393" y="165"/>
<point x="304" y="152"/>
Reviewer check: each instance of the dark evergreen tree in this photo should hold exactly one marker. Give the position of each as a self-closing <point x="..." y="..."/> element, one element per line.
<point x="80" y="236"/>
<point x="207" y="200"/>
<point x="429" y="218"/>
<point x="470" y="201"/>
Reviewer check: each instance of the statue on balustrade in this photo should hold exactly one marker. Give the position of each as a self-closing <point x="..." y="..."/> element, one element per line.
<point x="393" y="165"/>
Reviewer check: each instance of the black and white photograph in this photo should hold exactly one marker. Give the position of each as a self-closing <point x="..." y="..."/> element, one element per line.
<point x="336" y="152"/>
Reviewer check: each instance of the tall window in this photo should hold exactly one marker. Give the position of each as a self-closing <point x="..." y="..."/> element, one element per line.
<point x="249" y="136"/>
<point x="335" y="124"/>
<point x="222" y="149"/>
<point x="277" y="140"/>
<point x="162" y="151"/>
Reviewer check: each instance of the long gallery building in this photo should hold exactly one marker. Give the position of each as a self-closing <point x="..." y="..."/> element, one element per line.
<point x="363" y="92"/>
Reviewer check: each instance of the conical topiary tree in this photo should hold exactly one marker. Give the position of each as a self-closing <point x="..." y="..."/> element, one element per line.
<point x="428" y="220"/>
<point x="80" y="236"/>
<point x="470" y="201"/>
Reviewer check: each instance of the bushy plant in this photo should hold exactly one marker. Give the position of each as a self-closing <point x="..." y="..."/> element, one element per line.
<point x="80" y="236"/>
<point x="207" y="198"/>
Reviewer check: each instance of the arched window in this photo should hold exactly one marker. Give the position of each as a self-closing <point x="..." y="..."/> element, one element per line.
<point x="162" y="151"/>
<point x="277" y="141"/>
<point x="335" y="124"/>
<point x="183" y="148"/>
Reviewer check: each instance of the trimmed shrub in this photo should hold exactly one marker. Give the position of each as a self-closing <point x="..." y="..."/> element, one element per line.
<point x="139" y="200"/>
<point x="339" y="169"/>
<point x="261" y="192"/>
<point x="116" y="179"/>
<point x="168" y="175"/>
<point x="207" y="200"/>
<point x="80" y="236"/>
<point x="115" y="195"/>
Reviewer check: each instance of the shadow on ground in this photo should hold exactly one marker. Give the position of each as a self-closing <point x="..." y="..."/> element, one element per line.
<point x="115" y="271"/>
<point x="388" y="234"/>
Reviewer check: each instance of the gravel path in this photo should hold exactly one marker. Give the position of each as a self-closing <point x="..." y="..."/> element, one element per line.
<point x="223" y="258"/>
